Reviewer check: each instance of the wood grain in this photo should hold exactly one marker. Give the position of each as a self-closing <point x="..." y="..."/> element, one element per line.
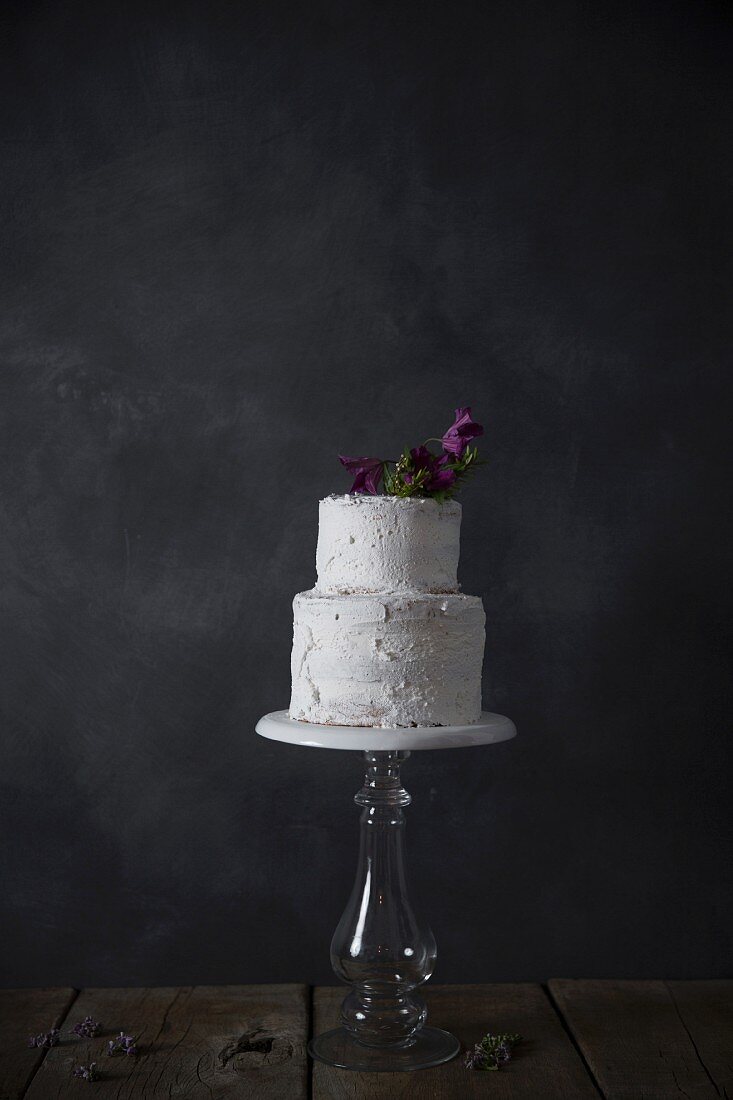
<point x="195" y="1042"/>
<point x="26" y="1012"/>
<point x="633" y="1036"/>
<point x="706" y="1011"/>
<point x="546" y="1064"/>
<point x="649" y="1039"/>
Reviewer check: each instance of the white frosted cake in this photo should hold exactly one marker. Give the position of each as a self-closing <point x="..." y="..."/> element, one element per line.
<point x="386" y="638"/>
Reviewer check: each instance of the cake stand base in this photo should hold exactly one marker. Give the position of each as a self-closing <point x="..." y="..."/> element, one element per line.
<point x="430" y="1047"/>
<point x="382" y="948"/>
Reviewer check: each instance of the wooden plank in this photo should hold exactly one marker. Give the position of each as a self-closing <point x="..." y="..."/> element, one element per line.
<point x="26" y="1012"/>
<point x="633" y="1039"/>
<point x="706" y="1010"/>
<point x="545" y="1065"/>
<point x="194" y="1042"/>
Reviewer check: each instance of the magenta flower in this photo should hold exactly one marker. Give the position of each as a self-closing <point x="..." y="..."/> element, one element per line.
<point x="367" y="471"/>
<point x="422" y="458"/>
<point x="461" y="432"/>
<point x="439" y="478"/>
<point x="419" y="472"/>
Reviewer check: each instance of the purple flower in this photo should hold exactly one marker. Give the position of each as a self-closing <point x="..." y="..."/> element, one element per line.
<point x="461" y="432"/>
<point x="422" y="459"/>
<point x="47" y="1039"/>
<point x="87" y="1073"/>
<point x="476" y="1058"/>
<point x="439" y="478"/>
<point x="123" y="1044"/>
<point x="367" y="471"/>
<point x="493" y="1052"/>
<point x="87" y="1029"/>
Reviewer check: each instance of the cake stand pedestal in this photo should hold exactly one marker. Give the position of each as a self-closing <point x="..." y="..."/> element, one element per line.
<point x="381" y="948"/>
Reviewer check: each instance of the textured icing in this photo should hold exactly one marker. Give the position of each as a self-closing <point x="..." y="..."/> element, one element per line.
<point x="388" y="659"/>
<point x="387" y="544"/>
<point x="385" y="639"/>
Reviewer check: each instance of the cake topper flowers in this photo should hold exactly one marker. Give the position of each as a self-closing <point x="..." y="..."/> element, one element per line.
<point x="418" y="472"/>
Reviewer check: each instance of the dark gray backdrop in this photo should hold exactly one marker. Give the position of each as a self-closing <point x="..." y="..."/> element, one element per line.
<point x="240" y="238"/>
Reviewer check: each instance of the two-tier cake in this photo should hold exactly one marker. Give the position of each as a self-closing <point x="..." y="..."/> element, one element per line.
<point x="386" y="638"/>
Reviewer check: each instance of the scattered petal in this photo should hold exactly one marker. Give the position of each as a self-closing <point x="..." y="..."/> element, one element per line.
<point x="87" y="1073"/>
<point x="123" y="1044"/>
<point x="87" y="1029"/>
<point x="47" y="1039"/>
<point x="493" y="1052"/>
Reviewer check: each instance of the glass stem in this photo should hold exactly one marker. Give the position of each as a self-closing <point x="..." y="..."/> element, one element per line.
<point x="380" y="947"/>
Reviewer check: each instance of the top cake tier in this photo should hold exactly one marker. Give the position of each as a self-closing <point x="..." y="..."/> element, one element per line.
<point x="387" y="544"/>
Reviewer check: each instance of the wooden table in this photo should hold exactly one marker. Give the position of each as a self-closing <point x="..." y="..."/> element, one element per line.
<point x="582" y="1039"/>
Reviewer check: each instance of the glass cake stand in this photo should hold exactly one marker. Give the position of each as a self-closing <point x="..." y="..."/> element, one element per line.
<point x="381" y="948"/>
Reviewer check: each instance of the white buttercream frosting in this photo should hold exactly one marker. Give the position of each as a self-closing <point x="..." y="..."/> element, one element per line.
<point x="385" y="639"/>
<point x="387" y="659"/>
<point x="387" y="544"/>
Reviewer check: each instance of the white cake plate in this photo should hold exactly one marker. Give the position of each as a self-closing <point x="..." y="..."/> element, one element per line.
<point x="381" y="948"/>
<point x="489" y="730"/>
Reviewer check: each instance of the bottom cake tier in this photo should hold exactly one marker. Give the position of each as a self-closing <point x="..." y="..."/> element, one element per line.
<point x="387" y="660"/>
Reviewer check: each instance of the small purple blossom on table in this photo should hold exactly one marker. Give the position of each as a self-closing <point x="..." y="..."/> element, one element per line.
<point x="45" y="1040"/>
<point x="87" y="1073"/>
<point x="122" y="1044"/>
<point x="87" y="1028"/>
<point x="476" y="1058"/>
<point x="493" y="1052"/>
<point x="503" y="1054"/>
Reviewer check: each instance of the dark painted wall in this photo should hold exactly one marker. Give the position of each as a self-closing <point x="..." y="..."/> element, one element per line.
<point x="240" y="238"/>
